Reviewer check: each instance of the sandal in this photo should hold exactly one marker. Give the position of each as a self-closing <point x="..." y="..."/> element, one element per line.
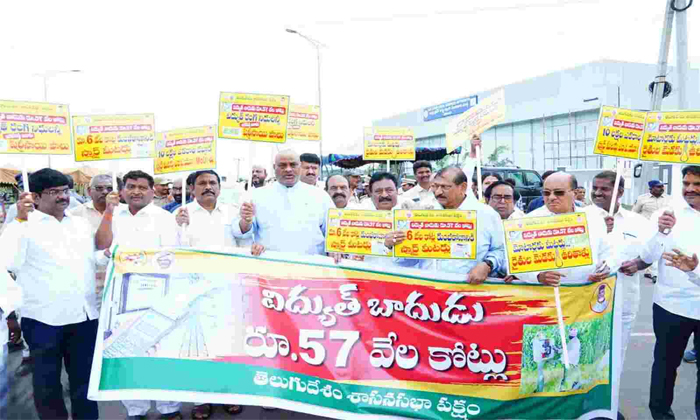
<point x="201" y="411"/>
<point x="233" y="410"/>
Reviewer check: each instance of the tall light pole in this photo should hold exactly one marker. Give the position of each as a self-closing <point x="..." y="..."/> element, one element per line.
<point x="46" y="75"/>
<point x="317" y="45"/>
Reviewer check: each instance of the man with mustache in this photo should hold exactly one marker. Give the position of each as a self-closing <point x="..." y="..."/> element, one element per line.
<point x="310" y="164"/>
<point x="420" y="195"/>
<point x="53" y="254"/>
<point x="177" y="193"/>
<point x="676" y="307"/>
<point x="338" y="188"/>
<point x="258" y="176"/>
<point x="138" y="224"/>
<point x="501" y="196"/>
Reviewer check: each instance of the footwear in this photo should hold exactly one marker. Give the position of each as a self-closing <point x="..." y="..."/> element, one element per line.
<point x="269" y="408"/>
<point x="25" y="368"/>
<point x="233" y="410"/>
<point x="201" y="411"/>
<point x="136" y="417"/>
<point x="691" y="356"/>
<point x="174" y="416"/>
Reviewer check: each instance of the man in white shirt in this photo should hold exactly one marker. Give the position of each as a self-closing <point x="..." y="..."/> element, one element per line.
<point x="420" y="196"/>
<point x="139" y="224"/>
<point x="338" y="189"/>
<point x="288" y="215"/>
<point x="53" y="255"/>
<point x="310" y="165"/>
<point x="258" y="176"/>
<point x="677" y="293"/>
<point x="646" y="205"/>
<point x="501" y="196"/>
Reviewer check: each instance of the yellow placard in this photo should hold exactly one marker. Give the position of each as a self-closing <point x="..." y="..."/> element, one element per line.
<point x="672" y="137"/>
<point x="358" y="231"/>
<point x="547" y="243"/>
<point x="252" y="116"/>
<point x="619" y="132"/>
<point x="304" y="122"/>
<point x="441" y="234"/>
<point x="185" y="150"/>
<point x="107" y="137"/>
<point x="389" y="143"/>
<point x="476" y="120"/>
<point x="34" y="128"/>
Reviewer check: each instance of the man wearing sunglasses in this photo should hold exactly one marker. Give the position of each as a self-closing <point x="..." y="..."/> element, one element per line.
<point x="559" y="198"/>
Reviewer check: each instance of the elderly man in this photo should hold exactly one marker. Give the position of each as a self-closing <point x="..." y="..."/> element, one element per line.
<point x="287" y="216"/>
<point x="355" y="179"/>
<point x="162" y="192"/>
<point x="258" y="176"/>
<point x="559" y="198"/>
<point x="501" y="196"/>
<point x="177" y="193"/>
<point x="53" y="254"/>
<point x="420" y="195"/>
<point x="539" y="201"/>
<point x="310" y="165"/>
<point x="338" y="188"/>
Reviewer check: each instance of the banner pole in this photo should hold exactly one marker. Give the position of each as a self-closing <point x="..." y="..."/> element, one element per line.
<point x="388" y="165"/>
<point x="25" y="174"/>
<point x="478" y="173"/>
<point x="184" y="201"/>
<point x="115" y="185"/>
<point x="562" y="331"/>
<point x="616" y="188"/>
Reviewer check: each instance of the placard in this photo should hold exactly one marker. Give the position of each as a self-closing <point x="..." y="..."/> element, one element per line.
<point x="619" y="132"/>
<point x="185" y="150"/>
<point x="672" y="137"/>
<point x="304" y="122"/>
<point x="34" y="128"/>
<point x="358" y="231"/>
<point x="439" y="234"/>
<point x="389" y="143"/>
<point x="253" y="116"/>
<point x="477" y="119"/>
<point x="108" y="137"/>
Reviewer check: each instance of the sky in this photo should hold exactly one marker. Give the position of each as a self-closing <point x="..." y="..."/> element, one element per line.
<point x="380" y="58"/>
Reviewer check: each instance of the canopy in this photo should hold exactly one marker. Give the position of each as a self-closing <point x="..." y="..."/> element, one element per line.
<point x="82" y="175"/>
<point x="355" y="161"/>
<point x="7" y="176"/>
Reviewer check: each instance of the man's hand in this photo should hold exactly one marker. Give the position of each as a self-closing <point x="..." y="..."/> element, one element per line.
<point x="247" y="214"/>
<point x="112" y="200"/>
<point x="337" y="257"/>
<point x="479" y="273"/>
<point x="183" y="216"/>
<point x="394" y="238"/>
<point x="509" y="279"/>
<point x="679" y="260"/>
<point x="667" y="221"/>
<point x="550" y="278"/>
<point x="25" y="205"/>
<point x="610" y="223"/>
<point x="107" y="253"/>
<point x="476" y="141"/>
<point x="15" y="331"/>
<point x="629" y="268"/>
<point x="602" y="272"/>
<point x="257" y="249"/>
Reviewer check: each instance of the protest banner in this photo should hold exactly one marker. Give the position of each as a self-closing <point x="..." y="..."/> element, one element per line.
<point x="188" y="149"/>
<point x="34" y="128"/>
<point x="477" y="119"/>
<point x="253" y="116"/>
<point x="389" y="143"/>
<point x="619" y="132"/>
<point x="304" y="122"/>
<point x="110" y="137"/>
<point x="442" y="234"/>
<point x="358" y="231"/>
<point x="547" y="243"/>
<point x="672" y="137"/>
<point x="305" y="334"/>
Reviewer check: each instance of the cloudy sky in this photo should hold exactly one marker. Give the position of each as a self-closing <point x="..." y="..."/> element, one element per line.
<point x="382" y="57"/>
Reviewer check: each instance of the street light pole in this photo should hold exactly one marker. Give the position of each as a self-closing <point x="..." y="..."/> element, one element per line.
<point x="317" y="45"/>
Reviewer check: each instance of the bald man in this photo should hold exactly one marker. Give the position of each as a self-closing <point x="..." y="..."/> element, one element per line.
<point x="287" y="215"/>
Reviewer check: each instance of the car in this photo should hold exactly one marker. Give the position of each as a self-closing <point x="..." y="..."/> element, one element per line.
<point x="528" y="182"/>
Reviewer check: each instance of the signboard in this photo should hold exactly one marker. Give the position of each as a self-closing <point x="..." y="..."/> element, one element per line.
<point x="253" y="116"/>
<point x="34" y="128"/>
<point x="389" y="143"/>
<point x="547" y="243"/>
<point x="107" y="137"/>
<point x="185" y="150"/>
<point x="304" y="122"/>
<point x="619" y="132"/>
<point x="440" y="234"/>
<point x="350" y="343"/>
<point x="447" y="109"/>
<point x="672" y="137"/>
<point x="358" y="231"/>
<point x="489" y="112"/>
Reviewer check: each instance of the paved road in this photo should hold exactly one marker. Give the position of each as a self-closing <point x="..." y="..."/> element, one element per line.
<point x="634" y="393"/>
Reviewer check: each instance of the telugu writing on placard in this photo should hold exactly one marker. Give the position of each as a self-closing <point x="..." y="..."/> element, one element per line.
<point x="389" y="143"/>
<point x="34" y="128"/>
<point x="185" y="150"/>
<point x="619" y="132"/>
<point x="444" y="234"/>
<point x="476" y="120"/>
<point x="547" y="243"/>
<point x="107" y="137"/>
<point x="672" y="137"/>
<point x="447" y="109"/>
<point x="304" y="122"/>
<point x="358" y="232"/>
<point x="255" y="117"/>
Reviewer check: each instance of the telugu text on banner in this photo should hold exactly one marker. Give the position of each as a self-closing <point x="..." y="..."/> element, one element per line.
<point x="252" y="116"/>
<point x="304" y="122"/>
<point x="312" y="336"/>
<point x="547" y="243"/>
<point x="389" y="143"/>
<point x="672" y="137"/>
<point x="185" y="150"/>
<point x="34" y="128"/>
<point x="107" y="137"/>
<point x="358" y="231"/>
<point x="477" y="119"/>
<point x="442" y="234"/>
<point x="619" y="132"/>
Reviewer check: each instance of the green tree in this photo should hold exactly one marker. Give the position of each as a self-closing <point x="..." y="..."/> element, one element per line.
<point x="494" y="159"/>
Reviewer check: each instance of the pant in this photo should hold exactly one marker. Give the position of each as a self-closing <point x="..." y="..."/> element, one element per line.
<point x="51" y="347"/>
<point x="141" y="407"/>
<point x="540" y="376"/>
<point x="672" y="332"/>
<point x="4" y="380"/>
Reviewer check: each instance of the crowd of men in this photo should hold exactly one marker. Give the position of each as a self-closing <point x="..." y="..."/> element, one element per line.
<point x="58" y="255"/>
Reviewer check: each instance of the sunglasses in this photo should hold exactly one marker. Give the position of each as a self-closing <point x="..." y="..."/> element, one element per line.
<point x="557" y="193"/>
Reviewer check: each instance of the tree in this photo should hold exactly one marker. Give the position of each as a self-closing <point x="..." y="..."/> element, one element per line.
<point x="494" y="159"/>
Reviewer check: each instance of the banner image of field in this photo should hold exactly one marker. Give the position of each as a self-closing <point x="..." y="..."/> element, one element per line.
<point x="349" y="341"/>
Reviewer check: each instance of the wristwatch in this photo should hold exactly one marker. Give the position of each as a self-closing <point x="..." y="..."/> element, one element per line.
<point x="489" y="263"/>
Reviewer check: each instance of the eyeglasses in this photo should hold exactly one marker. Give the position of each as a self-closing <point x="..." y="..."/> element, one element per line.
<point x="101" y="189"/>
<point x="557" y="193"/>
<point x="56" y="193"/>
<point x="443" y="187"/>
<point x="504" y="198"/>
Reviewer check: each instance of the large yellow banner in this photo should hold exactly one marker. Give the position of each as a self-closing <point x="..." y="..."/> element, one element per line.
<point x="185" y="150"/>
<point x="389" y="143"/>
<point x="358" y="231"/>
<point x="476" y="120"/>
<point x="107" y="137"/>
<point x="304" y="122"/>
<point x="252" y="116"/>
<point x="619" y="132"/>
<point x="34" y="128"/>
<point x="547" y="243"/>
<point x="443" y="234"/>
<point x="672" y="137"/>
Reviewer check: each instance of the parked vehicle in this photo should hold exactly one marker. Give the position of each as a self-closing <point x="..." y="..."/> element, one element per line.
<point x="528" y="183"/>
